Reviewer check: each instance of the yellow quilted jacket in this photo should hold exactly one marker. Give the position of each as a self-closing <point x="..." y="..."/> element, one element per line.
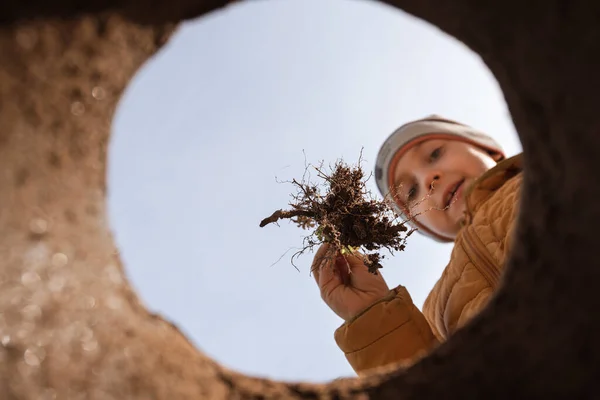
<point x="393" y="330"/>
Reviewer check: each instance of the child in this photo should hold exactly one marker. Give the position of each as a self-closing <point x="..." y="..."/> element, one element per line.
<point x="454" y="184"/>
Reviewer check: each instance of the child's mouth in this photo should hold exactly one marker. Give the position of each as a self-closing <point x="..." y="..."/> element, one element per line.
<point x="454" y="193"/>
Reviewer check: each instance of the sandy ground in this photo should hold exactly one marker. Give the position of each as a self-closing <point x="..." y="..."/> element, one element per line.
<point x="70" y="326"/>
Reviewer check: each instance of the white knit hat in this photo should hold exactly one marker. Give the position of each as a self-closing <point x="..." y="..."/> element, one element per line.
<point x="414" y="132"/>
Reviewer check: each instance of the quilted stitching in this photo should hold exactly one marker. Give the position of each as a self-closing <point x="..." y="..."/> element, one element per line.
<point x="461" y="282"/>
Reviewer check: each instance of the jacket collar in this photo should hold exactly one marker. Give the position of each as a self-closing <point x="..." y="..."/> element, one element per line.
<point x="490" y="181"/>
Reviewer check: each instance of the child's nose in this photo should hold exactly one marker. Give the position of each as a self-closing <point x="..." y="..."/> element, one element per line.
<point x="430" y="180"/>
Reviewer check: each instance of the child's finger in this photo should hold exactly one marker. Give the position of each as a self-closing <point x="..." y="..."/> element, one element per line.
<point x="321" y="258"/>
<point x="325" y="268"/>
<point x="329" y="278"/>
<point x="356" y="260"/>
<point x="358" y="266"/>
<point x="342" y="269"/>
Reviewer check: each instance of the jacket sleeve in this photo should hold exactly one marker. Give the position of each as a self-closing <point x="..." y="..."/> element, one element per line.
<point x="391" y="330"/>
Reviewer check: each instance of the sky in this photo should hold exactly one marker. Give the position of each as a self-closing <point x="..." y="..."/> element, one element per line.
<point x="233" y="105"/>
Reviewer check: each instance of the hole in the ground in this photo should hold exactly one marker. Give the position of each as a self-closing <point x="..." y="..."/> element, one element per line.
<point x="232" y="102"/>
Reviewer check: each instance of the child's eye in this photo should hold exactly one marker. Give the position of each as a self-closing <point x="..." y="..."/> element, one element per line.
<point x="411" y="193"/>
<point x="435" y="154"/>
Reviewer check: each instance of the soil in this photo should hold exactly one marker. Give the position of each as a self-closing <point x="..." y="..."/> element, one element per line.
<point x="545" y="63"/>
<point x="341" y="211"/>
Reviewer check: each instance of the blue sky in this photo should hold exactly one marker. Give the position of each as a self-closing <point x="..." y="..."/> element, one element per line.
<point x="234" y="101"/>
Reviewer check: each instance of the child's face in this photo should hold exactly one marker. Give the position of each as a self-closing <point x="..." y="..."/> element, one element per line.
<point x="431" y="178"/>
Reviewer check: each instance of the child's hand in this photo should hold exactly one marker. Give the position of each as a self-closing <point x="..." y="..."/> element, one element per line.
<point x="346" y="294"/>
